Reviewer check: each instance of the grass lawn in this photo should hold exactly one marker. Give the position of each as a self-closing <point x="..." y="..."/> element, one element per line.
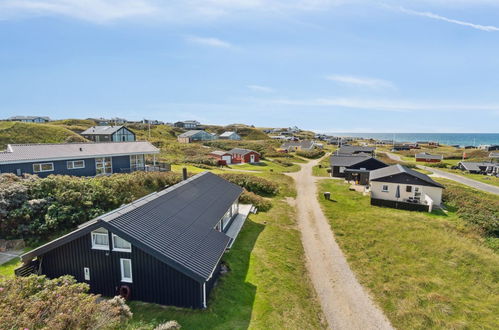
<point x="266" y="166"/>
<point x="421" y="268"/>
<point x="321" y="169"/>
<point x="267" y="287"/>
<point x="7" y="269"/>
<point x="492" y="180"/>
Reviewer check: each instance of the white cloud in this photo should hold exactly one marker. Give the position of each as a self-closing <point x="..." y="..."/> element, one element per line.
<point x="361" y="81"/>
<point x="211" y="42"/>
<point x="488" y="28"/>
<point x="260" y="88"/>
<point x="385" y="105"/>
<point x="97" y="11"/>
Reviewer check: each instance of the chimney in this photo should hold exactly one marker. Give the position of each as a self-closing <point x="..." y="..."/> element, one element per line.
<point x="184" y="173"/>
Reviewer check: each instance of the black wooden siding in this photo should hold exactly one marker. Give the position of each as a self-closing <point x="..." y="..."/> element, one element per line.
<point x="153" y="280"/>
<point x="399" y="205"/>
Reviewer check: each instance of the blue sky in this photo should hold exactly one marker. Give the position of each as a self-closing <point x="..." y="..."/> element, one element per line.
<point x="326" y="65"/>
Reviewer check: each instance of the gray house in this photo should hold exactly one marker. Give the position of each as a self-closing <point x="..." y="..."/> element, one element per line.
<point x="109" y="134"/>
<point x="355" y="150"/>
<point x="188" y="124"/>
<point x="479" y="167"/>
<point x="30" y="119"/>
<point x="230" y="136"/>
<point x="195" y="135"/>
<point x="77" y="159"/>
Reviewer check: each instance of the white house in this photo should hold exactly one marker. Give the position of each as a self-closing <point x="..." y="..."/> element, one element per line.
<point x="230" y="136"/>
<point x="400" y="187"/>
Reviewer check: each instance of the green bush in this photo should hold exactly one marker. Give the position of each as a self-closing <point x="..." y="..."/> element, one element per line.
<point x="479" y="210"/>
<point x="437" y="165"/>
<point x="253" y="183"/>
<point x="312" y="154"/>
<point x="35" y="208"/>
<point x="36" y="302"/>
<point x="283" y="162"/>
<point x="259" y="202"/>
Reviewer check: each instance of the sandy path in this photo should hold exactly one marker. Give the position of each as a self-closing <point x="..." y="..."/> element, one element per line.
<point x="344" y="301"/>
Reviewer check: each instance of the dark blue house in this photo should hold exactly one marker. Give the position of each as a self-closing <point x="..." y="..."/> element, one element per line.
<point x="78" y="159"/>
<point x="164" y="248"/>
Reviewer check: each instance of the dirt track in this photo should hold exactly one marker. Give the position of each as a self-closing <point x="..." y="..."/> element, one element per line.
<point x="345" y="303"/>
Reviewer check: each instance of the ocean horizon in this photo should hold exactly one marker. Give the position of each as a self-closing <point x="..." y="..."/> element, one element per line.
<point x="462" y="139"/>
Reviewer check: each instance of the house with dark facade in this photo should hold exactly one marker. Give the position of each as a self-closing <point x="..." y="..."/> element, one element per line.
<point x="77" y="159"/>
<point x="188" y="124"/>
<point x="400" y="187"/>
<point x="354" y="167"/>
<point x="109" y="134"/>
<point x="164" y="248"/>
<point x="428" y="158"/>
<point x="30" y="119"/>
<point x="490" y="168"/>
<point x="355" y="150"/>
<point x="195" y="135"/>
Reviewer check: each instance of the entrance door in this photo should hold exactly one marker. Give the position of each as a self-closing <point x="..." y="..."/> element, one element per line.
<point x="252" y="158"/>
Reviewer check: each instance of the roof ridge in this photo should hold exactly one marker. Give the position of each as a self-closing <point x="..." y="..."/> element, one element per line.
<point x="70" y="143"/>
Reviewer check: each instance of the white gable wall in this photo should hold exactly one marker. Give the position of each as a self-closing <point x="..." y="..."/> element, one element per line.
<point x="435" y="193"/>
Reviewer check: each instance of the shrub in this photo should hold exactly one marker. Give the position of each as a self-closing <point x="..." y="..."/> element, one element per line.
<point x="259" y="202"/>
<point x="312" y="154"/>
<point x="170" y="325"/>
<point x="32" y="207"/>
<point x="479" y="210"/>
<point x="283" y="162"/>
<point x="36" y="302"/>
<point x="253" y="183"/>
<point x="437" y="165"/>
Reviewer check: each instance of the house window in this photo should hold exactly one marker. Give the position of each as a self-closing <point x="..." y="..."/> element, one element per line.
<point x="119" y="244"/>
<point x="137" y="162"/>
<point x="384" y="188"/>
<point x="75" y="164"/>
<point x="226" y="219"/>
<point x="86" y="273"/>
<point x="43" y="167"/>
<point x="100" y="239"/>
<point x="408" y="189"/>
<point x="103" y="165"/>
<point x="126" y="270"/>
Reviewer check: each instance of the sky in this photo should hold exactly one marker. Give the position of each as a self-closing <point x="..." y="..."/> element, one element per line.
<point x="324" y="65"/>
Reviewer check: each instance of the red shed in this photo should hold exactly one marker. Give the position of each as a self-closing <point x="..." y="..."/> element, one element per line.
<point x="244" y="156"/>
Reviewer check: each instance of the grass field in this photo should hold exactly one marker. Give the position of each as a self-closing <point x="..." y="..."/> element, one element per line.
<point x="16" y="132"/>
<point x="420" y="268"/>
<point x="267" y="287"/>
<point x="266" y="166"/>
<point x="321" y="169"/>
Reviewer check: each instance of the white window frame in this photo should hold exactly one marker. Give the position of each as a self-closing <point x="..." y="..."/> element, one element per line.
<point x="99" y="246"/>
<point x="104" y="167"/>
<point x="383" y="188"/>
<point x="40" y="165"/>
<point x="73" y="167"/>
<point x="120" y="249"/>
<point x="126" y="279"/>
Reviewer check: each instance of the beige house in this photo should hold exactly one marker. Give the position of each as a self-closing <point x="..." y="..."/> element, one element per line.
<point x="401" y="187"/>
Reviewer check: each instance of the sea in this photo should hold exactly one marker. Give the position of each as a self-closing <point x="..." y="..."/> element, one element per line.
<point x="462" y="139"/>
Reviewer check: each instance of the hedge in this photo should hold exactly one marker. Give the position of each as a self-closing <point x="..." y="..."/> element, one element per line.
<point x="259" y="202"/>
<point x="312" y="154"/>
<point x="253" y="183"/>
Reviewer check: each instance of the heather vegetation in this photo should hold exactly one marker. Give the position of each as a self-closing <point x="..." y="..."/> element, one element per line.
<point x="36" y="302"/>
<point x="311" y="154"/>
<point x="252" y="183"/>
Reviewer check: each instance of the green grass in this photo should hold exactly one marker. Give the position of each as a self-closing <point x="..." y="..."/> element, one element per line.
<point x="267" y="287"/>
<point x="492" y="180"/>
<point x="266" y="166"/>
<point x="7" y="269"/>
<point x="16" y="132"/>
<point x="423" y="269"/>
<point x="322" y="169"/>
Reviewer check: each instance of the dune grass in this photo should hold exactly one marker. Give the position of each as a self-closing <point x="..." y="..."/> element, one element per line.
<point x="267" y="287"/>
<point x="420" y="268"/>
<point x="16" y="132"/>
<point x="266" y="166"/>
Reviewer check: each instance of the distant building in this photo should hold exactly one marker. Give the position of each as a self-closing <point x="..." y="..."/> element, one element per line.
<point x="195" y="135"/>
<point x="78" y="159"/>
<point x="241" y="156"/>
<point x="494" y="155"/>
<point x="354" y="167"/>
<point x="355" y="150"/>
<point x="400" y="187"/>
<point x="118" y="121"/>
<point x="109" y="134"/>
<point x="152" y="121"/>
<point x="428" y="158"/>
<point x="188" y="124"/>
<point x="30" y="119"/>
<point x="101" y="121"/>
<point x="230" y="136"/>
<point x="305" y="145"/>
<point x="479" y="167"/>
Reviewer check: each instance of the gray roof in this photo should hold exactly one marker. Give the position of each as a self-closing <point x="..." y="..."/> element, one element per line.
<point x="240" y="151"/>
<point x="101" y="130"/>
<point x="191" y="133"/>
<point x="175" y="225"/>
<point x="22" y="153"/>
<point x="475" y="166"/>
<point x="428" y="156"/>
<point x="494" y="155"/>
<point x="347" y="160"/>
<point x="379" y="174"/>
<point x="305" y="144"/>
<point x="219" y="153"/>
<point x="227" y="134"/>
<point x="354" y="150"/>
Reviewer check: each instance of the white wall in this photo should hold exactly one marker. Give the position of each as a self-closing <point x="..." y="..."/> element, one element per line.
<point x="376" y="192"/>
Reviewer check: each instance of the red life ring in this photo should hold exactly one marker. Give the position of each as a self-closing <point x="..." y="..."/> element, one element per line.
<point x="125" y="292"/>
